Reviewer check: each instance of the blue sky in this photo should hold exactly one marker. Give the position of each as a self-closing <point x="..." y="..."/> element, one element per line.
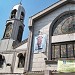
<point x="31" y="7"/>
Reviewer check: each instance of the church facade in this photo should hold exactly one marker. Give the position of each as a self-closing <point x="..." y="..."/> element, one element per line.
<point x="50" y="46"/>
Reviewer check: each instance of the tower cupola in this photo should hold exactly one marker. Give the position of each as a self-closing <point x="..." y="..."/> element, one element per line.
<point x="18" y="12"/>
<point x="15" y="24"/>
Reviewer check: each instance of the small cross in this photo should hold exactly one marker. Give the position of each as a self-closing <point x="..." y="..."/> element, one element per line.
<point x="21" y="2"/>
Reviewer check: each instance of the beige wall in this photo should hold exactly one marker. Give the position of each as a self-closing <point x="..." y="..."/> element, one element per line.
<point x="6" y="45"/>
<point x="64" y="37"/>
<point x="43" y="25"/>
<point x="38" y="62"/>
<point x="11" y="58"/>
<point x="8" y="60"/>
<point x="20" y="49"/>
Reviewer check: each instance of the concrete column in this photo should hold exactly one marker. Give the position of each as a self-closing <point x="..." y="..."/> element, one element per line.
<point x="47" y="72"/>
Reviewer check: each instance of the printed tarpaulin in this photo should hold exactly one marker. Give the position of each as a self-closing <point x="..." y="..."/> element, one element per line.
<point x="66" y="66"/>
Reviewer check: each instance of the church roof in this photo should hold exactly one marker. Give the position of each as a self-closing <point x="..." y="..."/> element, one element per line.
<point x="49" y="9"/>
<point x="21" y="43"/>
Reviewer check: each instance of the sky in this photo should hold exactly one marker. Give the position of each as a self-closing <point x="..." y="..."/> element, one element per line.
<point x="31" y="7"/>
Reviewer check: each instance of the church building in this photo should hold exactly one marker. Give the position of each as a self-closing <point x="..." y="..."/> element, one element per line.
<point x="50" y="46"/>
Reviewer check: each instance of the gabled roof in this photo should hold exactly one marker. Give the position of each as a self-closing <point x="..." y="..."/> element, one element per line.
<point x="48" y="10"/>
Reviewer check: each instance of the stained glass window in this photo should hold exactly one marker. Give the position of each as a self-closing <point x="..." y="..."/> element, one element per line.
<point x="57" y="54"/>
<point x="64" y="25"/>
<point x="55" y="51"/>
<point x="70" y="50"/>
<point x="63" y="50"/>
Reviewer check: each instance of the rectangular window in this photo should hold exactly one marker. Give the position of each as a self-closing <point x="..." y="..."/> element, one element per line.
<point x="63" y="51"/>
<point x="55" y="52"/>
<point x="70" y="50"/>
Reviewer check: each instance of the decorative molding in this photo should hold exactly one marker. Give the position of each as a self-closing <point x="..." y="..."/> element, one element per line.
<point x="51" y="62"/>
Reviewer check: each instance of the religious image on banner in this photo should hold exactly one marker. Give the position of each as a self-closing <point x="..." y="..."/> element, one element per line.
<point x="40" y="43"/>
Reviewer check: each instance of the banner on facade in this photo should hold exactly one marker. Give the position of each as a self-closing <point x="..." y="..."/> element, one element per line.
<point x="40" y="43"/>
<point x="66" y="66"/>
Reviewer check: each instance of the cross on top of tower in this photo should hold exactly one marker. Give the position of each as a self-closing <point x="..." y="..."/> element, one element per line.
<point x="20" y="1"/>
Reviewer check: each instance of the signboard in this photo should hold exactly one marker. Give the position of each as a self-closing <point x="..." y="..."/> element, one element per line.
<point x="40" y="43"/>
<point x="66" y="66"/>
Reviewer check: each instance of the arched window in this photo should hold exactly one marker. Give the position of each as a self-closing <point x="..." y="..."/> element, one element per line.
<point x="2" y="58"/>
<point x="64" y="24"/>
<point x="13" y="13"/>
<point x="22" y="16"/>
<point x="8" y="30"/>
<point x="21" y="61"/>
<point x="20" y="32"/>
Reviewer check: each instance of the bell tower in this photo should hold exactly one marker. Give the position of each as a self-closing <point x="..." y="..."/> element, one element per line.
<point x="14" y="27"/>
